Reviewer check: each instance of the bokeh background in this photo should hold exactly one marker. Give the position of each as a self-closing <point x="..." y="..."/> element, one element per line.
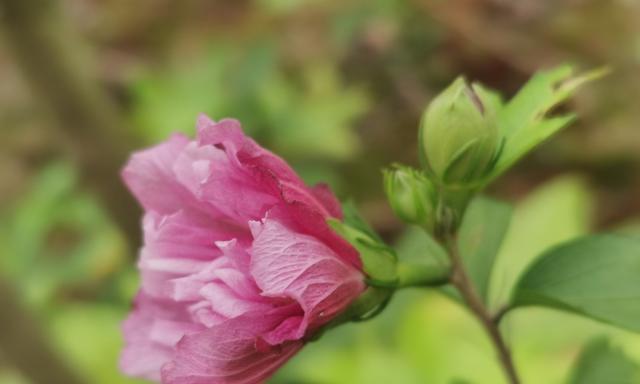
<point x="337" y="88"/>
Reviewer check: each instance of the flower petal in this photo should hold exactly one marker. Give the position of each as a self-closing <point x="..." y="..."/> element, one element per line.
<point x="149" y="175"/>
<point x="228" y="353"/>
<point x="289" y="264"/>
<point x="151" y="332"/>
<point x="215" y="178"/>
<point x="325" y="196"/>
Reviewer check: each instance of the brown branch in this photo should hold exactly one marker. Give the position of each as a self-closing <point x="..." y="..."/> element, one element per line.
<point x="26" y="347"/>
<point x="460" y="279"/>
<point x="49" y="57"/>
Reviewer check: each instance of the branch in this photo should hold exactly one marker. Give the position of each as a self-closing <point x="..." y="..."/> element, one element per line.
<point x="460" y="279"/>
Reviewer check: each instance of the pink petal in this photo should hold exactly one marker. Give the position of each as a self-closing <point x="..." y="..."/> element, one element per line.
<point x="180" y="245"/>
<point x="308" y="208"/>
<point x="189" y="234"/>
<point x="228" y="354"/>
<point x="241" y="149"/>
<point x="289" y="264"/>
<point x="227" y="304"/>
<point x="325" y="196"/>
<point x="187" y="288"/>
<point x="149" y="175"/>
<point x="175" y="245"/>
<point x="214" y="177"/>
<point x="151" y="332"/>
<point x="305" y="219"/>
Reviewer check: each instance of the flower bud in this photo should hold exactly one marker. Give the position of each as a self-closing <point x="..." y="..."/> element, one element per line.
<point x="410" y="195"/>
<point x="459" y="134"/>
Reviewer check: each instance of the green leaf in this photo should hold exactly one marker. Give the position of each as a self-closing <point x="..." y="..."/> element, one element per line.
<point x="416" y="246"/>
<point x="600" y="363"/>
<point x="522" y="120"/>
<point x="558" y="211"/>
<point x="595" y="276"/>
<point x="483" y="229"/>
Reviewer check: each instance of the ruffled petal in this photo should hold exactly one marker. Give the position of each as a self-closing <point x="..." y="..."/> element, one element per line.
<point x="151" y="333"/>
<point x="214" y="177"/>
<point x="307" y="208"/>
<point x="241" y="149"/>
<point x="325" y="196"/>
<point x="229" y="353"/>
<point x="149" y="175"/>
<point x="289" y="264"/>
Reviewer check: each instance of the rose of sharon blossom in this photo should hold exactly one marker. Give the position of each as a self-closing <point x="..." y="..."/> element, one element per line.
<point x="238" y="265"/>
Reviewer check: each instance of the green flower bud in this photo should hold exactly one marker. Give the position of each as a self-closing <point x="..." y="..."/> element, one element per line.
<point x="410" y="195"/>
<point x="459" y="134"/>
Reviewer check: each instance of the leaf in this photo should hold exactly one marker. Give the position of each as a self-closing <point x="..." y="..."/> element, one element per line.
<point x="522" y="120"/>
<point x="600" y="363"/>
<point x="559" y="210"/>
<point x="528" y="139"/>
<point x="595" y="276"/>
<point x="483" y="229"/>
<point x="418" y="247"/>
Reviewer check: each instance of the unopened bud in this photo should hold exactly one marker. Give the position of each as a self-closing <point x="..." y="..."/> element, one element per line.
<point x="410" y="195"/>
<point x="459" y="134"/>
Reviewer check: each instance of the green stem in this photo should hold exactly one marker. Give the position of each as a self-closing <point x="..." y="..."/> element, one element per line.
<point x="420" y="275"/>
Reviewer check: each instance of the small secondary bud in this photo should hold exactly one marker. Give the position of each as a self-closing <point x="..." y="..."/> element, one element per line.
<point x="459" y="134"/>
<point x="410" y="195"/>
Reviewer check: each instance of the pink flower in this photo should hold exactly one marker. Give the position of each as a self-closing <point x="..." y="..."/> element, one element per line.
<point x="238" y="266"/>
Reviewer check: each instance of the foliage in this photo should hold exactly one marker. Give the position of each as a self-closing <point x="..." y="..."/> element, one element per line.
<point x="480" y="239"/>
<point x="594" y="276"/>
<point x="601" y="362"/>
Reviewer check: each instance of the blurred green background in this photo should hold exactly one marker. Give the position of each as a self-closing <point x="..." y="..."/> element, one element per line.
<point x="337" y="88"/>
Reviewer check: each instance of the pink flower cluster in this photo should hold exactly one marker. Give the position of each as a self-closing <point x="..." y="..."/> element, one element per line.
<point x="238" y="265"/>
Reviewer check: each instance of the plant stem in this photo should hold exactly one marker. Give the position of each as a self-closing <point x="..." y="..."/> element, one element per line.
<point x="417" y="275"/>
<point x="460" y="279"/>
